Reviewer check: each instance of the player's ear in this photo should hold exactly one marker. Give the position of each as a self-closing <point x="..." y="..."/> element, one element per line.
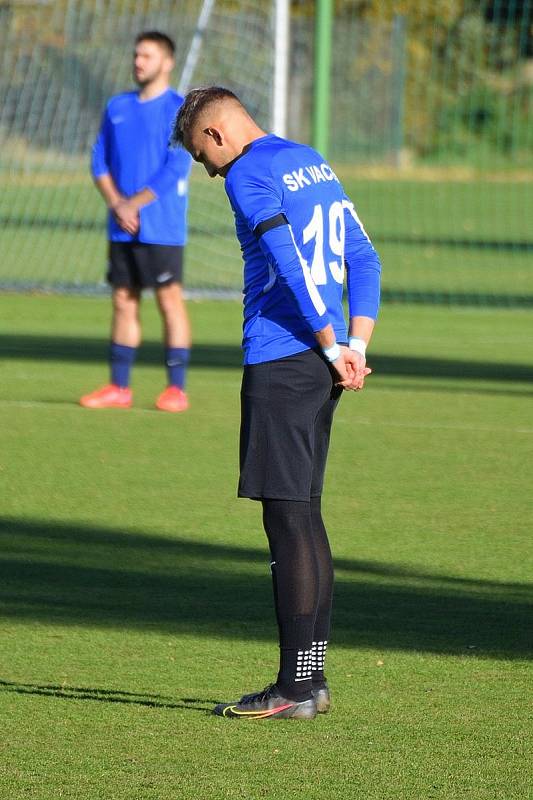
<point x="215" y="134"/>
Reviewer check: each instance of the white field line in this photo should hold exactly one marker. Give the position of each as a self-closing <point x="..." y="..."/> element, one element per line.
<point x="451" y="426"/>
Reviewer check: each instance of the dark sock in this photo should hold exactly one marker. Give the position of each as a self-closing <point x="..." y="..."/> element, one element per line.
<point x="295" y="578"/>
<point x="325" y="593"/>
<point x="121" y="358"/>
<point x="177" y="359"/>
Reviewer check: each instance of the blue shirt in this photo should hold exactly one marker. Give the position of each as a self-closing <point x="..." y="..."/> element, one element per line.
<point x="132" y="147"/>
<point x="299" y="233"/>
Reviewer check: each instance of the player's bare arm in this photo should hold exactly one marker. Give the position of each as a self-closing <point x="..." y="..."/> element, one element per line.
<point x="108" y="189"/>
<point x="127" y="210"/>
<point x="117" y="204"/>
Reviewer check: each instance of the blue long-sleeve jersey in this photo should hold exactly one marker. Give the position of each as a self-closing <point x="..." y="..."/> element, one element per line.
<point x="132" y="147"/>
<point x="299" y="234"/>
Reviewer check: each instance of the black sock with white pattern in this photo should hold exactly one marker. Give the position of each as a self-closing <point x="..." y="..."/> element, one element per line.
<point x="325" y="593"/>
<point x="295" y="578"/>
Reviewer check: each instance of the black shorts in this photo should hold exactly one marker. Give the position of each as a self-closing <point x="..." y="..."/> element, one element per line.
<point x="287" y="409"/>
<point x="139" y="265"/>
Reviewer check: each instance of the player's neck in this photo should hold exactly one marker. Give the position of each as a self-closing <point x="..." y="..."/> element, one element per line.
<point x="153" y="89"/>
<point x="240" y="148"/>
<point x="247" y="135"/>
<point x="251" y="136"/>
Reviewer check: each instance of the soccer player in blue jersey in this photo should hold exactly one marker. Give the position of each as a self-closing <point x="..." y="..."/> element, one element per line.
<point x="299" y="233"/>
<point x="144" y="184"/>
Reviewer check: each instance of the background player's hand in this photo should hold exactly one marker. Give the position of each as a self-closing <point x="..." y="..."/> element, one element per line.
<point x="127" y="216"/>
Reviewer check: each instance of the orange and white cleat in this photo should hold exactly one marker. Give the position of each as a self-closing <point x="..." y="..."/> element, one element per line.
<point x="109" y="396"/>
<point x="172" y="399"/>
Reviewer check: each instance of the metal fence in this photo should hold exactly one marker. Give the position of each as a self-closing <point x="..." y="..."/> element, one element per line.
<point x="430" y="129"/>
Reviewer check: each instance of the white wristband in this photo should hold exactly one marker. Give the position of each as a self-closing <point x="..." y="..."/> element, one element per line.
<point x="357" y="344"/>
<point x="332" y="352"/>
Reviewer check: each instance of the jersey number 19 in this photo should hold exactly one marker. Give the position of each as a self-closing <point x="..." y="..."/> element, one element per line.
<point x="315" y="229"/>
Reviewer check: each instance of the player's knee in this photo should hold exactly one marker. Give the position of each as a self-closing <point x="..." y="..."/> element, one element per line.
<point x="170" y="301"/>
<point x="125" y="302"/>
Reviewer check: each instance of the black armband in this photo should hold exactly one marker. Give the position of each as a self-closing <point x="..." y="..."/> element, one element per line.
<point x="268" y="224"/>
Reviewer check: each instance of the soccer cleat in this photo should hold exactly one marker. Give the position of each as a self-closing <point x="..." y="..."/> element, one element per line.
<point x="322" y="699"/>
<point x="172" y="399"/>
<point x="267" y="704"/>
<point x="109" y="396"/>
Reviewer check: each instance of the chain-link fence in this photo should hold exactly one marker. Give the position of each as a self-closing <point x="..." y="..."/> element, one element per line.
<point x="430" y="129"/>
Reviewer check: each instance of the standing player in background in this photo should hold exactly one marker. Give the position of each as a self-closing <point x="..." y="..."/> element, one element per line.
<point x="298" y="230"/>
<point x="144" y="184"/>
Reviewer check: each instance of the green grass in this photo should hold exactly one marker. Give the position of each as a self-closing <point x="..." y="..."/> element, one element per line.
<point x="435" y="237"/>
<point x="135" y="587"/>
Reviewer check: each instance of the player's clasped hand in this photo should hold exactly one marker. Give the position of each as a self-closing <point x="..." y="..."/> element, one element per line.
<point x="127" y="216"/>
<point x="351" y="368"/>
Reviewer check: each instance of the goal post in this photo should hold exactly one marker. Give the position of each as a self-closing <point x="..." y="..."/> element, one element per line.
<point x="282" y="49"/>
<point x="193" y="53"/>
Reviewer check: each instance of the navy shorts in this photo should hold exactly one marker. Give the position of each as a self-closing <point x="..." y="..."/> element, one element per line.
<point x="287" y="410"/>
<point x="138" y="265"/>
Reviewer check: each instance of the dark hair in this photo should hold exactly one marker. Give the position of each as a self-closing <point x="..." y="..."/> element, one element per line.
<point x="195" y="102"/>
<point x="159" y="38"/>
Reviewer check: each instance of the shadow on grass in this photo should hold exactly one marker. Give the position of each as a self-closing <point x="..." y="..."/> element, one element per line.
<point x="94" y="350"/>
<point x="64" y="692"/>
<point x="72" y="574"/>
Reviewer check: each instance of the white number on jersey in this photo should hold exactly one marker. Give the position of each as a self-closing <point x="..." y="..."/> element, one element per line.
<point x="314" y="294"/>
<point x="335" y="237"/>
<point x="315" y="230"/>
<point x="351" y="208"/>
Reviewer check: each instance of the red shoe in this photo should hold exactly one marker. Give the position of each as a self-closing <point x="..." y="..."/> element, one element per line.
<point x="172" y="399"/>
<point x="109" y="396"/>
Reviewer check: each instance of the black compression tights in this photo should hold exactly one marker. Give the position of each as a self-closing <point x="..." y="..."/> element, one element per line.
<point x="302" y="573"/>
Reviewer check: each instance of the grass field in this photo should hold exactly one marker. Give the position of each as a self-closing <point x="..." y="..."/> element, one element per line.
<point x="436" y="236"/>
<point x="135" y="587"/>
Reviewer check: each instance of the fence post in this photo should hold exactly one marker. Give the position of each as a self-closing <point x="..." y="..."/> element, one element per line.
<point x="398" y="86"/>
<point x="322" y="74"/>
